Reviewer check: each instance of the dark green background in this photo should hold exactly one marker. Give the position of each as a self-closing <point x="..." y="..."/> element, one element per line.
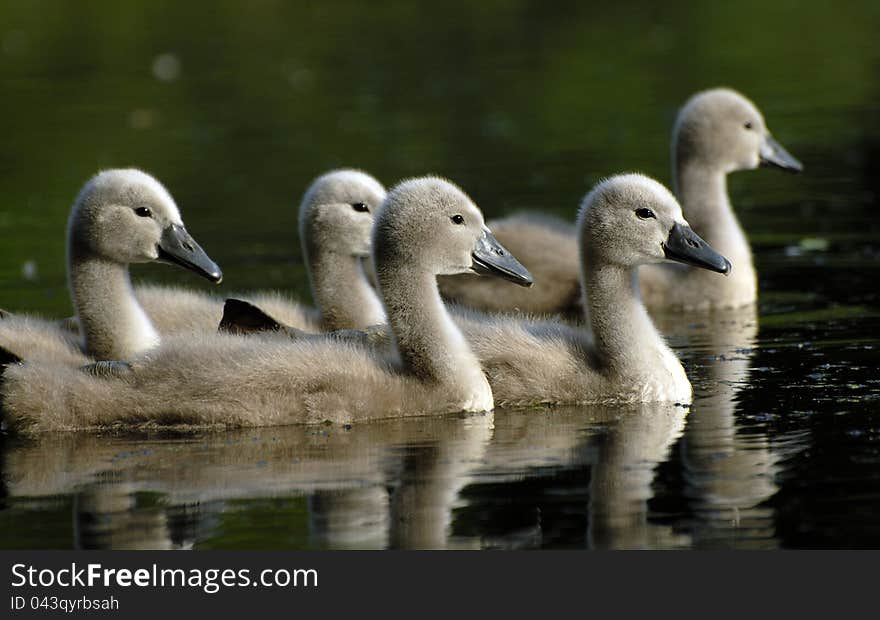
<point x="525" y="105"/>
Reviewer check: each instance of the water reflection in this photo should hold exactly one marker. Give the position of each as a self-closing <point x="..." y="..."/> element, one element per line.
<point x="376" y="485"/>
<point x="392" y="485"/>
<point x="349" y="518"/>
<point x="110" y="516"/>
<point x="412" y="508"/>
<point x="622" y="477"/>
<point x="728" y="473"/>
<point x="518" y="478"/>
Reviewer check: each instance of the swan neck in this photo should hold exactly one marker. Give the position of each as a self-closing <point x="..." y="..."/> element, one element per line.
<point x="702" y="191"/>
<point x="624" y="335"/>
<point x="113" y="324"/>
<point x="343" y="294"/>
<point x="428" y="341"/>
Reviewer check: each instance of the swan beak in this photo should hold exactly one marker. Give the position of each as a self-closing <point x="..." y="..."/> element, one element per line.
<point x="492" y="258"/>
<point x="773" y="154"/>
<point x="177" y="247"/>
<point x="685" y="246"/>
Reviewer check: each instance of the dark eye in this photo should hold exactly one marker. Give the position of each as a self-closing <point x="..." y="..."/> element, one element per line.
<point x="457" y="219"/>
<point x="143" y="212"/>
<point x="360" y="207"/>
<point x="748" y="125"/>
<point x="645" y="214"/>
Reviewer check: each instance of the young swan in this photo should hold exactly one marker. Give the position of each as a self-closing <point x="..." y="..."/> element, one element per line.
<point x="425" y="227"/>
<point x="335" y="219"/>
<point x="119" y="217"/>
<point x="717" y="132"/>
<point x="625" y="221"/>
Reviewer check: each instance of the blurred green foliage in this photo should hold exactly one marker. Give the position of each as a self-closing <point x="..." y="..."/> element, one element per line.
<point x="235" y="107"/>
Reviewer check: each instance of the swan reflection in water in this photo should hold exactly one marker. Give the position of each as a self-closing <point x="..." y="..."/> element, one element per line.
<point x="394" y="484"/>
<point x="363" y="487"/>
<point x="399" y="484"/>
<point x="729" y="466"/>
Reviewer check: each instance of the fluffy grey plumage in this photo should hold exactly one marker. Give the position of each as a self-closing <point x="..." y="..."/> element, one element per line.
<point x="425" y="227"/>
<point x="621" y="358"/>
<point x="717" y="132"/>
<point x="35" y="338"/>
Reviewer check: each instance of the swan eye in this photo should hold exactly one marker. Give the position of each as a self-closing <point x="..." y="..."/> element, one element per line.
<point x="143" y="212"/>
<point x="645" y="213"/>
<point x="457" y="219"/>
<point x="360" y="207"/>
<point x="748" y="125"/>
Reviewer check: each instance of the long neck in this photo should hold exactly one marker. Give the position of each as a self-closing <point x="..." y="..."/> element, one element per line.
<point x="625" y="338"/>
<point x="702" y="190"/>
<point x="428" y="341"/>
<point x="114" y="326"/>
<point x="341" y="290"/>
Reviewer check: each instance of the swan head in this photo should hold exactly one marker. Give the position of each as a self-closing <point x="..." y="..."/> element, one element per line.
<point x="430" y="223"/>
<point x="337" y="211"/>
<point x="725" y="131"/>
<point x="127" y="216"/>
<point x="630" y="220"/>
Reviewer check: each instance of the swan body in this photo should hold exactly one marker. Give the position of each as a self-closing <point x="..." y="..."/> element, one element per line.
<point x="425" y="227"/>
<point x="625" y="222"/>
<point x="717" y="132"/>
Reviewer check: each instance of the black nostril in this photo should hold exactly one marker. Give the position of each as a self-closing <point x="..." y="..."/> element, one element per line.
<point x="188" y="246"/>
<point x="693" y="244"/>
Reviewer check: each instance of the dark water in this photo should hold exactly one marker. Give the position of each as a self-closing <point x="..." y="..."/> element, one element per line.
<point x="525" y="104"/>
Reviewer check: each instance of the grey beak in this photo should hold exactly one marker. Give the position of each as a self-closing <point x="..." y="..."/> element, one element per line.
<point x="685" y="246"/>
<point x="773" y="154"/>
<point x="491" y="258"/>
<point x="177" y="247"/>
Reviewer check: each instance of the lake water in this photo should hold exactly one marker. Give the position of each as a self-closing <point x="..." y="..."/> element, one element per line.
<point x="525" y="105"/>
